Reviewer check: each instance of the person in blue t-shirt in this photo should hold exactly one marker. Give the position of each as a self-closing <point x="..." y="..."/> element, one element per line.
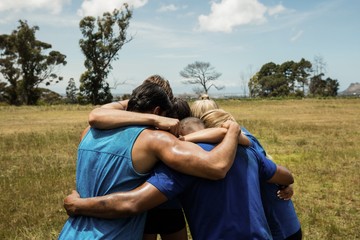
<point x="230" y="208"/>
<point x="279" y="209"/>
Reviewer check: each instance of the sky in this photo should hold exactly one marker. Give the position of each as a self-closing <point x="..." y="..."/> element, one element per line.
<point x="237" y="37"/>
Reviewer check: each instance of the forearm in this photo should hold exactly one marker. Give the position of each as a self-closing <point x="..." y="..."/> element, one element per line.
<point x="103" y="118"/>
<point x="109" y="206"/>
<point x="214" y="135"/>
<point x="226" y="150"/>
<point x="115" y="205"/>
<point x="214" y="164"/>
<point x="209" y="135"/>
<point x="282" y="176"/>
<point x="244" y="140"/>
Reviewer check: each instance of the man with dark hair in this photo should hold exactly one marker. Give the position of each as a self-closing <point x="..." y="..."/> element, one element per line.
<point x="120" y="159"/>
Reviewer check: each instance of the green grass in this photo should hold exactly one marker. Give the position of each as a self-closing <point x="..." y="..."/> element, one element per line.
<point x="317" y="139"/>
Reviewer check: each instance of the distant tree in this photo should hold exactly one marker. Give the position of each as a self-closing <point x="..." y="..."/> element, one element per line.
<point x="25" y="64"/>
<point x="2" y="92"/>
<point x="287" y="79"/>
<point x="302" y="72"/>
<point x="331" y="87"/>
<point x="71" y="92"/>
<point x="319" y="65"/>
<point x="272" y="81"/>
<point x="254" y="86"/>
<point x="203" y="74"/>
<point x="49" y="97"/>
<point x="100" y="45"/>
<point x="325" y="88"/>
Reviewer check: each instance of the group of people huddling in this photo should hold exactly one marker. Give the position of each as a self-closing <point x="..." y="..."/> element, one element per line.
<point x="145" y="162"/>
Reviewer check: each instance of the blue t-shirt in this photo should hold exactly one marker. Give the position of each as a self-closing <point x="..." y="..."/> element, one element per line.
<point x="280" y="214"/>
<point x="104" y="166"/>
<point x="230" y="208"/>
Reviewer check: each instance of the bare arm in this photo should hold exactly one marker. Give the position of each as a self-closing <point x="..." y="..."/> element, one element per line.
<point x="282" y="176"/>
<point x="120" y="105"/>
<point x="106" y="118"/>
<point x="191" y="159"/>
<point x="120" y="204"/>
<point x="214" y="135"/>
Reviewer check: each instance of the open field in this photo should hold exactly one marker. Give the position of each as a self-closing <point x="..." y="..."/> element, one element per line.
<point x="317" y="139"/>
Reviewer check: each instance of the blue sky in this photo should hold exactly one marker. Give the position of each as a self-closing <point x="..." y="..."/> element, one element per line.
<point x="237" y="37"/>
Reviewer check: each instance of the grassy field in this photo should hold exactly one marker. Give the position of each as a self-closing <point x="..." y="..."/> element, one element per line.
<point x="317" y="139"/>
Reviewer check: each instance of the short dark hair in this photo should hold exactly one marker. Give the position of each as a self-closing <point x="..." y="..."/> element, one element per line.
<point x="180" y="109"/>
<point x="146" y="97"/>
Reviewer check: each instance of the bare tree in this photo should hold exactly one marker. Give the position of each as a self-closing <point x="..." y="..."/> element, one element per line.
<point x="319" y="65"/>
<point x="201" y="73"/>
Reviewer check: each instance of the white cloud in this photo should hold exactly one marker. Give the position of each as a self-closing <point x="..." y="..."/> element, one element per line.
<point x="296" y="36"/>
<point x="168" y="8"/>
<point x="228" y="14"/>
<point x="276" y="10"/>
<point x="98" y="7"/>
<point x="54" y="6"/>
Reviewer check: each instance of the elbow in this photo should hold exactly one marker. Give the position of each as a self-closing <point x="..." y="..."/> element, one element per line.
<point x="218" y="173"/>
<point x="93" y="118"/>
<point x="291" y="179"/>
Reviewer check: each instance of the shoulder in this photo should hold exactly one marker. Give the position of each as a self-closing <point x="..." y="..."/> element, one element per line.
<point x="156" y="138"/>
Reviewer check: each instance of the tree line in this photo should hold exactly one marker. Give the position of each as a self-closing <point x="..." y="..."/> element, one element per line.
<point x="294" y="79"/>
<point x="26" y="62"/>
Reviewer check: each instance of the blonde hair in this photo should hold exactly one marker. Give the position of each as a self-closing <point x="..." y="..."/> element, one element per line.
<point x="216" y="117"/>
<point x="199" y="107"/>
<point x="163" y="83"/>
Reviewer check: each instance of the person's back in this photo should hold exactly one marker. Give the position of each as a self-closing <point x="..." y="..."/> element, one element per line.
<point x="105" y="166"/>
<point x="280" y="214"/>
<point x="230" y="208"/>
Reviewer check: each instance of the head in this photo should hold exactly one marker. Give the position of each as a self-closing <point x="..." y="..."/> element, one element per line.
<point x="163" y="83"/>
<point x="181" y="109"/>
<point x="149" y="98"/>
<point x="216" y="117"/>
<point x="199" y="107"/>
<point x="191" y="124"/>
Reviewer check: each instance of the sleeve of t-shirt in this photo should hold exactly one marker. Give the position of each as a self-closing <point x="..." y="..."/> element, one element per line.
<point x="168" y="181"/>
<point x="255" y="143"/>
<point x="267" y="168"/>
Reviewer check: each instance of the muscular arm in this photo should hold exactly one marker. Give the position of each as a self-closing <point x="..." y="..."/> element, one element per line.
<point x="213" y="135"/>
<point x="120" y="204"/>
<point x="191" y="159"/>
<point x="282" y="176"/>
<point x="107" y="118"/>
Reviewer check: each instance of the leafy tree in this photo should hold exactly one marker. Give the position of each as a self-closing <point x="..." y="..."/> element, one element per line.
<point x="272" y="81"/>
<point x="302" y="72"/>
<point x="254" y="86"/>
<point x="49" y="97"/>
<point x="326" y="88"/>
<point x="25" y="64"/>
<point x="100" y="45"/>
<point x="201" y="73"/>
<point x="71" y="91"/>
<point x="286" y="79"/>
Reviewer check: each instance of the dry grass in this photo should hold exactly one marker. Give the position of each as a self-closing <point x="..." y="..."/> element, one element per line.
<point x="319" y="140"/>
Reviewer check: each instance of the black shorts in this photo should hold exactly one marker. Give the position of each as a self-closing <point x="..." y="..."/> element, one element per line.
<point x="164" y="221"/>
<point x="295" y="236"/>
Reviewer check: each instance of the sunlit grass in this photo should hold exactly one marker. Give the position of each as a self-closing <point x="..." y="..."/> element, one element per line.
<point x="317" y="139"/>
